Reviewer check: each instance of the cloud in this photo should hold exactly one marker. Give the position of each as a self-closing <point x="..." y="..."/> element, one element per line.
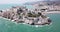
<point x="15" y="1"/>
<point x="20" y="1"/>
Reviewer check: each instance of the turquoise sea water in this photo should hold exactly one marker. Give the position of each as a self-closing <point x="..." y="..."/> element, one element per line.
<point x="9" y="26"/>
<point x="6" y="6"/>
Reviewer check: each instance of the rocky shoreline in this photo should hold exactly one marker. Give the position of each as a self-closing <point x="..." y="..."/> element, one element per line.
<point x="35" y="16"/>
<point x="23" y="15"/>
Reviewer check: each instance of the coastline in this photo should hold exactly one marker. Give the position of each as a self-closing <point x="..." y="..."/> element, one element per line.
<point x="25" y="23"/>
<point x="52" y="12"/>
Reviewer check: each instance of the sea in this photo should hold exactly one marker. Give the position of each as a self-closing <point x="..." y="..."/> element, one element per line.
<point x="9" y="26"/>
<point x="7" y="6"/>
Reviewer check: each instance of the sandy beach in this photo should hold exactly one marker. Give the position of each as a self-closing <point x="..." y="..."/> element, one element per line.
<point x="51" y="12"/>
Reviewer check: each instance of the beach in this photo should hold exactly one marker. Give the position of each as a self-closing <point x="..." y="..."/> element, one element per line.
<point x="52" y="12"/>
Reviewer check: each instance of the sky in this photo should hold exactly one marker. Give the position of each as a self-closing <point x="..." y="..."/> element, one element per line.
<point x="18" y="1"/>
